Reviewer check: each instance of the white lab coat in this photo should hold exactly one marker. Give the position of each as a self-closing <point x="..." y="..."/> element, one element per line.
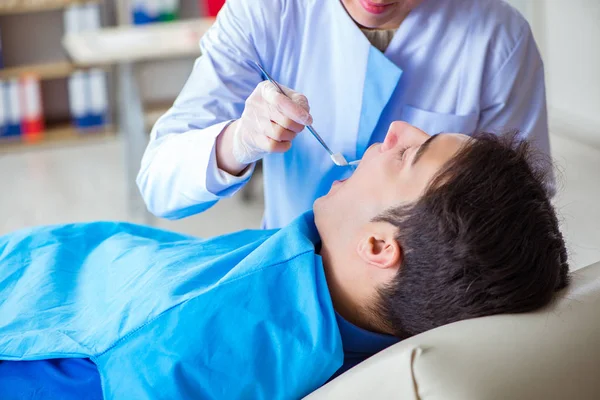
<point x="452" y="66"/>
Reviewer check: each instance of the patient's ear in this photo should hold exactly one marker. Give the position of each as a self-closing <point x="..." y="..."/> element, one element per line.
<point x="378" y="246"/>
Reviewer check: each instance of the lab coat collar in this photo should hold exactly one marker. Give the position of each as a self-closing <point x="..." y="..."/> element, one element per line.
<point x="380" y="83"/>
<point x="418" y="17"/>
<point x="380" y="79"/>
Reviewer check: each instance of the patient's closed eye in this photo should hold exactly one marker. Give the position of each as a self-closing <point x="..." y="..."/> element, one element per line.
<point x="402" y="152"/>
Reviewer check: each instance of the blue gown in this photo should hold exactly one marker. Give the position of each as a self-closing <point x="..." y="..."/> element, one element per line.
<point x="162" y="314"/>
<point x="54" y="379"/>
<point x="78" y="379"/>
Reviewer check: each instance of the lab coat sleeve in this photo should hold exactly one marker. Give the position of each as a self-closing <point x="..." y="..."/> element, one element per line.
<point x="179" y="175"/>
<point x="514" y="98"/>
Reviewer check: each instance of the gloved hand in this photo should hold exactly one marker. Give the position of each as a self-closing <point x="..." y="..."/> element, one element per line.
<point x="269" y="123"/>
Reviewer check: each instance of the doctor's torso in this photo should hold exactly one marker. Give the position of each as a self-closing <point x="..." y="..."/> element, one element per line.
<point x="432" y="75"/>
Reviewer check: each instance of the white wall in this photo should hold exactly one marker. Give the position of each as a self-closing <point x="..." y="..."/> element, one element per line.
<point x="572" y="54"/>
<point x="568" y="34"/>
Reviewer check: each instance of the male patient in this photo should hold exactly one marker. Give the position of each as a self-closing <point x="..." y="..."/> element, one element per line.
<point x="427" y="231"/>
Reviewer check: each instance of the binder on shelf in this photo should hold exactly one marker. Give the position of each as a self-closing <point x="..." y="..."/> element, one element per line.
<point x="82" y="17"/>
<point x="90" y="17"/>
<point x="212" y="7"/>
<point x="72" y="17"/>
<point x="145" y="11"/>
<point x="32" y="123"/>
<point x="149" y="11"/>
<point x="1" y="58"/>
<point x="3" y="110"/>
<point x="98" y="97"/>
<point x="153" y="9"/>
<point x="88" y="97"/>
<point x="13" y="123"/>
<point x="138" y="13"/>
<point x="168" y="10"/>
<point x="77" y="99"/>
<point x="73" y="22"/>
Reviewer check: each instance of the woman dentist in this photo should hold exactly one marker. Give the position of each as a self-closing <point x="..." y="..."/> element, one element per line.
<point x="451" y="65"/>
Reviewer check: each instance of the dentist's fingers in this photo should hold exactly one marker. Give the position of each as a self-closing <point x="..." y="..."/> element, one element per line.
<point x="280" y="134"/>
<point x="294" y="107"/>
<point x="286" y="122"/>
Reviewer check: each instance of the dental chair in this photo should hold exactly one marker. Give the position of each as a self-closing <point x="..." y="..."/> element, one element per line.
<point x="553" y="353"/>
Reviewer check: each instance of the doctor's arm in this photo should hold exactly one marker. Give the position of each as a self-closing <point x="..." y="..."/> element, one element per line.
<point x="179" y="174"/>
<point x="515" y="96"/>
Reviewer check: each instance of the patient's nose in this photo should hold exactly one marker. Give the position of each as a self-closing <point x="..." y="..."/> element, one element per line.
<point x="403" y="133"/>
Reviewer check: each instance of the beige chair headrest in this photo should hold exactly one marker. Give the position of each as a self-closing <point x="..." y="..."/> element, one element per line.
<point x="553" y="353"/>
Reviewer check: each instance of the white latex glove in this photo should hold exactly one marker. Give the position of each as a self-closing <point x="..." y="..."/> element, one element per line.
<point x="269" y="123"/>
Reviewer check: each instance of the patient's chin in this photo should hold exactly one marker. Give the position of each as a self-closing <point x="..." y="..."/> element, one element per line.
<point x="320" y="213"/>
<point x="320" y="204"/>
<point x="327" y="201"/>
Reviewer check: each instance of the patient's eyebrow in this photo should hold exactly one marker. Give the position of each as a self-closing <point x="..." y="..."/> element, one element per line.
<point x="422" y="149"/>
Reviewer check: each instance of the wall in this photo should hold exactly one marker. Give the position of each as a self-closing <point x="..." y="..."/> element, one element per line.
<point x="572" y="54"/>
<point x="568" y="34"/>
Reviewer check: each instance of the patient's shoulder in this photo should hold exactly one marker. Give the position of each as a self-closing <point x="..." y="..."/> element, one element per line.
<point x="493" y="19"/>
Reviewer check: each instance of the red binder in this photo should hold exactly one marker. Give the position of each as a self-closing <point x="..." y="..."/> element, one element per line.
<point x="32" y="119"/>
<point x="211" y="7"/>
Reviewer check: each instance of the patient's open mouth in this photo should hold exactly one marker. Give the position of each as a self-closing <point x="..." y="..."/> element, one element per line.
<point x="336" y="185"/>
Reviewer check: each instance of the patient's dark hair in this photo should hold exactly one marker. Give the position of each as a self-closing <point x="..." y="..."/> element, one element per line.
<point x="482" y="240"/>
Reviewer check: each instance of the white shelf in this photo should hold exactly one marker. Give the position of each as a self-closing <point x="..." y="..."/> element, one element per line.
<point x="44" y="71"/>
<point x="30" y="6"/>
<point x="137" y="43"/>
<point x="60" y="134"/>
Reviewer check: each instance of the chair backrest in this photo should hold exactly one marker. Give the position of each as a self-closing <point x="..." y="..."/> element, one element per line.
<point x="553" y="353"/>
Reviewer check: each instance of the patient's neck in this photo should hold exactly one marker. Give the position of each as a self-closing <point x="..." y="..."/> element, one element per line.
<point x="352" y="305"/>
